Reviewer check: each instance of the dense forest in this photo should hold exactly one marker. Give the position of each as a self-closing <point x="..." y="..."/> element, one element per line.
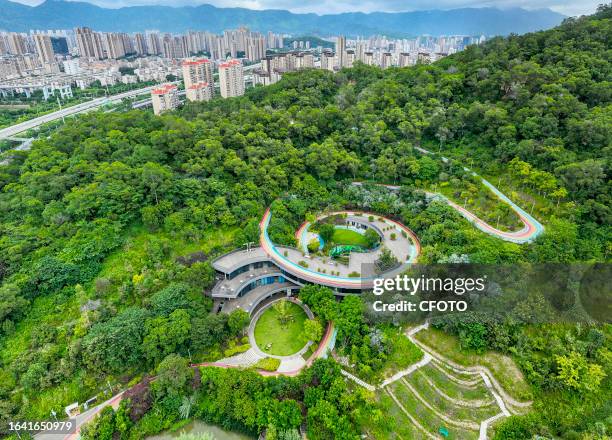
<point x="99" y="221"/>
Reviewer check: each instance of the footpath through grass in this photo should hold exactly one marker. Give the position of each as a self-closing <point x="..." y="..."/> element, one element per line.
<point x="501" y="366"/>
<point x="282" y="339"/>
<point x="427" y="418"/>
<point x="387" y="421"/>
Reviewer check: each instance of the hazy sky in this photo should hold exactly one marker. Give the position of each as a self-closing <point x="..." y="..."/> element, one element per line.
<point x="567" y="7"/>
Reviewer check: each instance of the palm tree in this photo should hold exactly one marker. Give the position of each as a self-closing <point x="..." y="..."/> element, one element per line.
<point x="284" y="317"/>
<point x="186" y="406"/>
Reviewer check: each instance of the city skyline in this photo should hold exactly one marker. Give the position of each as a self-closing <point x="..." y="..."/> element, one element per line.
<point x="54" y="59"/>
<point x="328" y="7"/>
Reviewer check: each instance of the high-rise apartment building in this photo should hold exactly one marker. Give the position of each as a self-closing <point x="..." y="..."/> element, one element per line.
<point x="154" y="45"/>
<point x="404" y="59"/>
<point x="140" y="44"/>
<point x="327" y="60"/>
<point x="114" y="46"/>
<point x="89" y="43"/>
<point x="349" y="58"/>
<point x="385" y="60"/>
<point x="231" y="79"/>
<point x="368" y="58"/>
<point x="72" y="67"/>
<point x="4" y="44"/>
<point x="174" y="46"/>
<point x="18" y="44"/>
<point x="304" y="61"/>
<point x="201" y="91"/>
<point x="360" y="50"/>
<point x="198" y="71"/>
<point x="164" y="98"/>
<point x="341" y="50"/>
<point x="44" y="48"/>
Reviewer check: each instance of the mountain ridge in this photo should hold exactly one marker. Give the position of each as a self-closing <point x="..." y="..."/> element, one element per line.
<point x="58" y="14"/>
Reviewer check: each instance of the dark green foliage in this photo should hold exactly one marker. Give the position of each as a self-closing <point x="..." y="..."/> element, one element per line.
<point x="173" y="376"/>
<point x="102" y="427"/>
<point x="114" y="345"/>
<point x="238" y="320"/>
<point x="326" y="231"/>
<point x="516" y="428"/>
<point x="321" y="300"/>
<point x="532" y="112"/>
<point x="208" y="330"/>
<point x="169" y="299"/>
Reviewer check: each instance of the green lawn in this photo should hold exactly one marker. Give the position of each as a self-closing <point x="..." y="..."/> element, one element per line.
<point x="284" y="340"/>
<point x="484" y="204"/>
<point x="453" y="389"/>
<point x="384" y="419"/>
<point x="347" y="236"/>
<point x="403" y="353"/>
<point x="428" y="419"/>
<point x="445" y="406"/>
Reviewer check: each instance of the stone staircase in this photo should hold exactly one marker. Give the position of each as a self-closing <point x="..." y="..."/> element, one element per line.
<point x="246" y="359"/>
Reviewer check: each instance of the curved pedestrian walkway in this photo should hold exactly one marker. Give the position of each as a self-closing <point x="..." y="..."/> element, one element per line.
<point x="485" y="373"/>
<point x="457" y="423"/>
<point x="531" y="227"/>
<point x="465" y="383"/>
<point x="246" y="359"/>
<point x="454" y="400"/>
<point x="414" y="421"/>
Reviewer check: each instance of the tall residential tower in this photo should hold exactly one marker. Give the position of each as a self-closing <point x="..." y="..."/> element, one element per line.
<point x="231" y="79"/>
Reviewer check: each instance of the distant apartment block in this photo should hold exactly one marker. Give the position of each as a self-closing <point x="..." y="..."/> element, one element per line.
<point x="231" y="79"/>
<point x="72" y="67"/>
<point x="424" y="58"/>
<point x="17" y="44"/>
<point x="164" y="98"/>
<point x="386" y="60"/>
<point x="341" y="51"/>
<point x="404" y="59"/>
<point x="274" y="66"/>
<point x="44" y="48"/>
<point x="89" y="43"/>
<point x="198" y="72"/>
<point x="327" y="60"/>
<point x="349" y="58"/>
<point x="201" y="91"/>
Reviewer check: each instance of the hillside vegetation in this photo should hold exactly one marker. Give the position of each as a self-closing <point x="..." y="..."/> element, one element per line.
<point x="94" y="218"/>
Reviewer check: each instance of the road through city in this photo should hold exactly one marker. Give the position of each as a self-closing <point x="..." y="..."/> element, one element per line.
<point x="69" y="111"/>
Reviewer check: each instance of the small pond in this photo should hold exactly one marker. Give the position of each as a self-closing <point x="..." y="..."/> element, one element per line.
<point x="199" y="427"/>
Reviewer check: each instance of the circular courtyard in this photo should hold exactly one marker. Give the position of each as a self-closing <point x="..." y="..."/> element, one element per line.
<point x="279" y="328"/>
<point x="343" y="250"/>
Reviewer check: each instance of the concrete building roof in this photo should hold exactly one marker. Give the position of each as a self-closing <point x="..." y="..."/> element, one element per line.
<point x="235" y="260"/>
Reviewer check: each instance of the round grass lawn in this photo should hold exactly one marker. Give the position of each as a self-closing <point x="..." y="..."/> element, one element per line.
<point x="349" y="237"/>
<point x="282" y="340"/>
